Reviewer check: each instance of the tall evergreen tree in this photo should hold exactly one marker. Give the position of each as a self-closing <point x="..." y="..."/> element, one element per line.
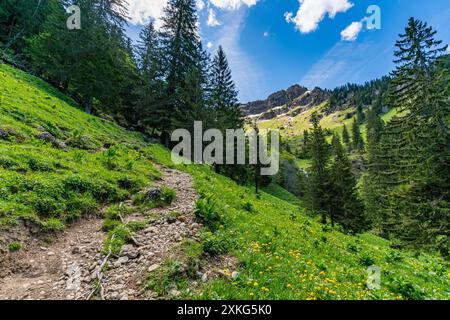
<point x="357" y="140"/>
<point x="71" y="59"/>
<point x="318" y="178"/>
<point x="148" y="106"/>
<point x="182" y="52"/>
<point x="414" y="146"/>
<point x="345" y="136"/>
<point x="345" y="206"/>
<point x="223" y="95"/>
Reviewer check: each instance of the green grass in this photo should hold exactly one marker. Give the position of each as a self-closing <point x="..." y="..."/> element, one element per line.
<point x="282" y="252"/>
<point x="285" y="254"/>
<point x="52" y="186"/>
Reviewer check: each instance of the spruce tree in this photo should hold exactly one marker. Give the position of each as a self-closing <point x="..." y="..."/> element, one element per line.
<point x="357" y="140"/>
<point x="318" y="180"/>
<point x="414" y="146"/>
<point x="345" y="207"/>
<point x="345" y="136"/>
<point x="148" y="107"/>
<point x="182" y="52"/>
<point x="223" y="95"/>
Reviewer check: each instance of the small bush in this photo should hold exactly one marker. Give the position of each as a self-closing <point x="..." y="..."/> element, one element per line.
<point x="394" y="256"/>
<point x="53" y="224"/>
<point x="205" y="211"/>
<point x="407" y="289"/>
<point x="129" y="184"/>
<point x="215" y="244"/>
<point x="14" y="246"/>
<point x="36" y="165"/>
<point x="366" y="260"/>
<point x="248" y="206"/>
<point x="117" y="237"/>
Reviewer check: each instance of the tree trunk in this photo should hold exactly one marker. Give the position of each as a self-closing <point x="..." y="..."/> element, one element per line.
<point x="88" y="105"/>
<point x="324" y="218"/>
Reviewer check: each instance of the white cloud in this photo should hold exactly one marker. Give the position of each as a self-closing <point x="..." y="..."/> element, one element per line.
<point x="212" y="19"/>
<point x="266" y="34"/>
<point x="312" y="12"/>
<point x="232" y="4"/>
<point x="140" y="11"/>
<point x="352" y="31"/>
<point x="209" y="45"/>
<point x="200" y="5"/>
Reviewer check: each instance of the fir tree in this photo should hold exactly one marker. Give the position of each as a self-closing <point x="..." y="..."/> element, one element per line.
<point x="414" y="184"/>
<point x="345" y="136"/>
<point x="357" y="141"/>
<point x="223" y="95"/>
<point x="344" y="205"/>
<point x="318" y="181"/>
<point x="182" y="52"/>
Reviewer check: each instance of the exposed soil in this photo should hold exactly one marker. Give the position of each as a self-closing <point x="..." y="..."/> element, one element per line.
<point x="67" y="267"/>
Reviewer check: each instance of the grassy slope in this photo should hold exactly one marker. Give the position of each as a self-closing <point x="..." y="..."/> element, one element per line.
<point x="283" y="253"/>
<point x="52" y="186"/>
<point x="334" y="122"/>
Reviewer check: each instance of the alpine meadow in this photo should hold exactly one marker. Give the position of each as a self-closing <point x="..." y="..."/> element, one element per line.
<point x="147" y="153"/>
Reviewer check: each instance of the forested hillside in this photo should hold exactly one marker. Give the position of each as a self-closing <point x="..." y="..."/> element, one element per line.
<point x="252" y="246"/>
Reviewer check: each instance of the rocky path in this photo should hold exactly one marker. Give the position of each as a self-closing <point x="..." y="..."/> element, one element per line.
<point x="67" y="268"/>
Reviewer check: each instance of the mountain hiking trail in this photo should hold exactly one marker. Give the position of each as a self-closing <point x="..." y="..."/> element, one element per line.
<point x="74" y="267"/>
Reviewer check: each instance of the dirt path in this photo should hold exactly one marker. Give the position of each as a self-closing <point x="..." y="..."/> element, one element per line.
<point x="65" y="268"/>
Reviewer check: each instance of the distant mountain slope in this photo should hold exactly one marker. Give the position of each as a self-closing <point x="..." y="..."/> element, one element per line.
<point x="290" y="101"/>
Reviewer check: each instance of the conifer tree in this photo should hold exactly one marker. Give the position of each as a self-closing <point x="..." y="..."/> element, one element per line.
<point x="223" y="95"/>
<point x="357" y="141"/>
<point x="345" y="207"/>
<point x="318" y="178"/>
<point x="414" y="185"/>
<point x="182" y="52"/>
<point x="345" y="136"/>
<point x="148" y="106"/>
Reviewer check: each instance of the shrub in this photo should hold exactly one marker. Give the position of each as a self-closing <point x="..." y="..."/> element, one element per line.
<point x="394" y="256"/>
<point x="48" y="206"/>
<point x="248" y="206"/>
<point x="407" y="289"/>
<point x="14" y="246"/>
<point x="53" y="224"/>
<point x="366" y="260"/>
<point x="215" y="244"/>
<point x="205" y="211"/>
<point x="168" y="195"/>
<point x="36" y="165"/>
<point x="130" y="184"/>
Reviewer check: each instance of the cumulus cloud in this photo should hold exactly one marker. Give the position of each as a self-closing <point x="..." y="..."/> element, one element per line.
<point x="352" y="31"/>
<point x="312" y="12"/>
<point x="232" y="4"/>
<point x="212" y="19"/>
<point x="200" y="5"/>
<point x="140" y="11"/>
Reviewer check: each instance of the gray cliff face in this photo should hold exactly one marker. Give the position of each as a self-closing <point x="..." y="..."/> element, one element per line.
<point x="284" y="102"/>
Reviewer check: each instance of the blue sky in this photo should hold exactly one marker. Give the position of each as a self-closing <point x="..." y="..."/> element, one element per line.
<point x="272" y="44"/>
